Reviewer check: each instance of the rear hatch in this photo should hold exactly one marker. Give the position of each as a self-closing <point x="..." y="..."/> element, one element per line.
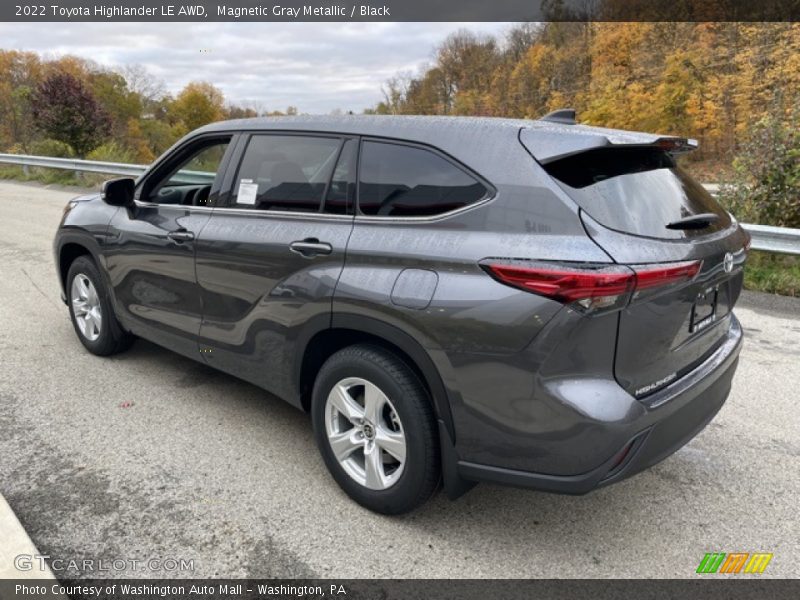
<point x="647" y="213"/>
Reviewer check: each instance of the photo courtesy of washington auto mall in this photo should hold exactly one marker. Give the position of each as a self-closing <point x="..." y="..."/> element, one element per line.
<point x="399" y="300"/>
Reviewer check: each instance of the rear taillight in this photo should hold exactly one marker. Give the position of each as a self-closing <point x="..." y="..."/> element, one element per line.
<point x="652" y="279"/>
<point x="588" y="286"/>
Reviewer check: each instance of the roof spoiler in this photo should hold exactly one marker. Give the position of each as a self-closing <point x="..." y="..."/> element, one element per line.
<point x="548" y="142"/>
<point x="676" y="145"/>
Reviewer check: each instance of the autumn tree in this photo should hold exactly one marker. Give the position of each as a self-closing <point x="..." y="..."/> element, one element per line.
<point x="765" y="187"/>
<point x="145" y="85"/>
<point x="66" y="110"/>
<point x="20" y="73"/>
<point x="111" y="90"/>
<point x="240" y="112"/>
<point x="198" y="104"/>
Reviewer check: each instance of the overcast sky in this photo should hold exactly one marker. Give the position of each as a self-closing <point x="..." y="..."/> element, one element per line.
<point x="317" y="67"/>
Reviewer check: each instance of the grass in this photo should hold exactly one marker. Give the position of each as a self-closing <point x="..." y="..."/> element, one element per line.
<point x="773" y="273"/>
<point x="52" y="176"/>
<point x="770" y="273"/>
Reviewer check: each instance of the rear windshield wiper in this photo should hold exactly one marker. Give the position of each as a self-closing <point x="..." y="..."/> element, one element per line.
<point x="700" y="221"/>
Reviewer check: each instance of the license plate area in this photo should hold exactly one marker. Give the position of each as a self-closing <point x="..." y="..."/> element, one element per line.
<point x="704" y="311"/>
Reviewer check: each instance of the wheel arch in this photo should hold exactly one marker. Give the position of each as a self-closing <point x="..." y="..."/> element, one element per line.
<point x="346" y="330"/>
<point x="72" y="244"/>
<point x="67" y="254"/>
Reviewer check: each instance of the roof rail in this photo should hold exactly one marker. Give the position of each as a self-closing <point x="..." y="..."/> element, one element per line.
<point x="565" y="116"/>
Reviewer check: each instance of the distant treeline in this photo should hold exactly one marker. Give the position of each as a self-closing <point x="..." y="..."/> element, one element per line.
<point x="710" y="81"/>
<point x="71" y="106"/>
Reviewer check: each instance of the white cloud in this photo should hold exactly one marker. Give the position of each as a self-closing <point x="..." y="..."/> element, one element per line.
<point x="317" y="67"/>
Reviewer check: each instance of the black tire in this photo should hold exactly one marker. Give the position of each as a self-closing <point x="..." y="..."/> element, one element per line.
<point x="112" y="338"/>
<point x="421" y="472"/>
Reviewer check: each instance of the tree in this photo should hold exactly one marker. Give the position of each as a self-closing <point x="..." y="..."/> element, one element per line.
<point x="198" y="104"/>
<point x="240" y="112"/>
<point x="765" y="188"/>
<point x="111" y="91"/>
<point x="66" y="110"/>
<point x="20" y="73"/>
<point x="149" y="89"/>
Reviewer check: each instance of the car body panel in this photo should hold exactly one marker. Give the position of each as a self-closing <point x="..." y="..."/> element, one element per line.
<point x="664" y="323"/>
<point x="527" y="390"/>
<point x="258" y="295"/>
<point x="153" y="277"/>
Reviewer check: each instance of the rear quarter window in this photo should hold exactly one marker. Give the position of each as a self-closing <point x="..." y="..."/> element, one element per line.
<point x="398" y="180"/>
<point x="636" y="190"/>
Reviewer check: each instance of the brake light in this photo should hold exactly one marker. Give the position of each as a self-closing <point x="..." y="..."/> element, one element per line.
<point x="652" y="276"/>
<point x="588" y="286"/>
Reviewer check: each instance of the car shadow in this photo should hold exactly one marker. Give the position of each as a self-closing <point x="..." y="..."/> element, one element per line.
<point x="485" y="516"/>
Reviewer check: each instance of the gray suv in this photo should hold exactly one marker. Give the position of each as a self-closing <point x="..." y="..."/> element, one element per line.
<point x="454" y="300"/>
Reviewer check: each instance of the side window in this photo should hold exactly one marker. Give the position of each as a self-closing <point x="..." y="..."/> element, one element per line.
<point x="406" y="181"/>
<point x="285" y="172"/>
<point x="188" y="180"/>
<point x="341" y="192"/>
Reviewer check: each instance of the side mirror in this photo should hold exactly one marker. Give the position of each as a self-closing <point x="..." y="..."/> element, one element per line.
<point x="118" y="192"/>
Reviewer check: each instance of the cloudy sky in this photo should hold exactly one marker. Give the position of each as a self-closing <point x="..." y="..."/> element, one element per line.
<point x="317" y="67"/>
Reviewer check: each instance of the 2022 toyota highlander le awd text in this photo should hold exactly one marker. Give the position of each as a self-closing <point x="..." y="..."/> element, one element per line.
<point x="535" y="303"/>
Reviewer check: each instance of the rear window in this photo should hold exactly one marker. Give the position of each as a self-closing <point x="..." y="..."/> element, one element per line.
<point x="637" y="190"/>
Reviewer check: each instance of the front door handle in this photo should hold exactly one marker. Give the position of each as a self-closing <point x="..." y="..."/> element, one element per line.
<point x="310" y="247"/>
<point x="180" y="235"/>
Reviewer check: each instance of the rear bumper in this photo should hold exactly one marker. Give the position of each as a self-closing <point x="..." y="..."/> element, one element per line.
<point x="672" y="417"/>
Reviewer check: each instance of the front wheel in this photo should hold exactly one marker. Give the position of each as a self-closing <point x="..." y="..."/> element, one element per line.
<point x="90" y="310"/>
<point x="375" y="429"/>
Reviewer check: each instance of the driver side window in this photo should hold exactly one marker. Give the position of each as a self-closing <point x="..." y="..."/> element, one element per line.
<point x="189" y="177"/>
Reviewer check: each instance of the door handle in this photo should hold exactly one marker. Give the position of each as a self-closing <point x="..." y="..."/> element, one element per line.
<point x="310" y="247"/>
<point x="180" y="235"/>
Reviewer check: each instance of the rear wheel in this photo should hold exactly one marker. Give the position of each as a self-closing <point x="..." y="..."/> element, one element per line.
<point x="90" y="310"/>
<point x="375" y="429"/>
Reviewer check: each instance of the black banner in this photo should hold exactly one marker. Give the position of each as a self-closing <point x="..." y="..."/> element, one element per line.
<point x="402" y="10"/>
<point x="732" y="587"/>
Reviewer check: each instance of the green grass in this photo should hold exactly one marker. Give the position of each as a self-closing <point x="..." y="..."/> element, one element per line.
<point x="52" y="176"/>
<point x="773" y="273"/>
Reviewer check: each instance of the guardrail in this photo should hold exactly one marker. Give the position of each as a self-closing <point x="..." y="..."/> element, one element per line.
<point x="95" y="166"/>
<point x="765" y="237"/>
<point x="783" y="240"/>
<point x="73" y="164"/>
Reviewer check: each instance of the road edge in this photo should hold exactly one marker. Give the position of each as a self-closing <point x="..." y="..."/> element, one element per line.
<point x="774" y="305"/>
<point x="16" y="542"/>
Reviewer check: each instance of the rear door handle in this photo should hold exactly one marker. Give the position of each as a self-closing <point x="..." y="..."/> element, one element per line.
<point x="180" y="236"/>
<point x="310" y="247"/>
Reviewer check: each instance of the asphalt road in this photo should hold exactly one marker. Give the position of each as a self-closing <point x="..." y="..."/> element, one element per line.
<point x="150" y="455"/>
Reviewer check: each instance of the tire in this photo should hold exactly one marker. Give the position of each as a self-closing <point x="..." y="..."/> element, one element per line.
<point x="101" y="333"/>
<point x="407" y="413"/>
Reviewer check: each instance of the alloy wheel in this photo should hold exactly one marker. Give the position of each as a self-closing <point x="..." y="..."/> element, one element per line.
<point x="86" y="307"/>
<point x="365" y="433"/>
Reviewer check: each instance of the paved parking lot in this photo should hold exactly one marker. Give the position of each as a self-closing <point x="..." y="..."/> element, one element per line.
<point x="151" y="455"/>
